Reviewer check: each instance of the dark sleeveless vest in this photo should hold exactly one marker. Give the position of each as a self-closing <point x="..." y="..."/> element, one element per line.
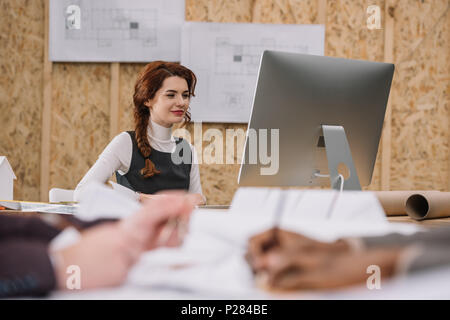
<point x="175" y="169"/>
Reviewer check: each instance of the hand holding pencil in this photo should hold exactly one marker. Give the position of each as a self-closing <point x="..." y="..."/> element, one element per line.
<point x="106" y="252"/>
<point x="297" y="262"/>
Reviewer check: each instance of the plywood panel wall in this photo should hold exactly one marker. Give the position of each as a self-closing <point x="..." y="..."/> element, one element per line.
<point x="420" y="96"/>
<point x="80" y="95"/>
<point x="80" y="120"/>
<point x="347" y="36"/>
<point x="128" y="76"/>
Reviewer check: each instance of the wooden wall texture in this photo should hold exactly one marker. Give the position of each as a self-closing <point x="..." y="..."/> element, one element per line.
<point x="417" y="133"/>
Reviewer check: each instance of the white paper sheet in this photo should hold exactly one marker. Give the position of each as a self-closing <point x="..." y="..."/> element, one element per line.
<point x="117" y="31"/>
<point x="211" y="261"/>
<point x="226" y="56"/>
<point x="99" y="201"/>
<point x="211" y="264"/>
<point x="49" y="208"/>
<point x="26" y="206"/>
<point x="322" y="205"/>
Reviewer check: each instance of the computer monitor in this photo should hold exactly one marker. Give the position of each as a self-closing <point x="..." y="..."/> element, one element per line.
<point x="328" y="111"/>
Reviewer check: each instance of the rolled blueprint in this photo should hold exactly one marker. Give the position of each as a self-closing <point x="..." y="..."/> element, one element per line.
<point x="422" y="206"/>
<point x="394" y="202"/>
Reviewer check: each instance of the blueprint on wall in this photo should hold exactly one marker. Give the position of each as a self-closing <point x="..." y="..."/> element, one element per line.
<point x="116" y="30"/>
<point x="226" y="56"/>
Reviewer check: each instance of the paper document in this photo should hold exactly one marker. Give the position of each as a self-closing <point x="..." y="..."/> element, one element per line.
<point x="99" y="201"/>
<point x="39" y="207"/>
<point x="310" y="204"/>
<point x="10" y="205"/>
<point x="211" y="261"/>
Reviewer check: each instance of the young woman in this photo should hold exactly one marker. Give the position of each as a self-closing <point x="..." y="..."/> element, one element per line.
<point x="149" y="159"/>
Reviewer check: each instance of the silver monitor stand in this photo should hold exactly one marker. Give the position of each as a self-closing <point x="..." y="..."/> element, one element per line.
<point x="338" y="152"/>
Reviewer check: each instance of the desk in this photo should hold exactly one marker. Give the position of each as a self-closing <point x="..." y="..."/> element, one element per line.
<point x="431" y="223"/>
<point x="154" y="280"/>
<point x="400" y="219"/>
<point x="220" y="272"/>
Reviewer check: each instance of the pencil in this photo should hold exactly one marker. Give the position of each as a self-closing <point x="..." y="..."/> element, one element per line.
<point x="274" y="240"/>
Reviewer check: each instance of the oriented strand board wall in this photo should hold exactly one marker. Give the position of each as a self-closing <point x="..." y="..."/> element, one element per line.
<point x="347" y="36"/>
<point x="21" y="70"/>
<point x="128" y="76"/>
<point x="420" y="96"/>
<point x="80" y="118"/>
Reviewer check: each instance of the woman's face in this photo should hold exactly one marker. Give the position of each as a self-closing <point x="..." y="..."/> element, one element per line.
<point x="170" y="102"/>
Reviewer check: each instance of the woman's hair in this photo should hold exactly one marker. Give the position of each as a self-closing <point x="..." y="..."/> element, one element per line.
<point x="149" y="81"/>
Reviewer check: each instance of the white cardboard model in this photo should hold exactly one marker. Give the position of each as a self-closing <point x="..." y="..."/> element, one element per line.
<point x="7" y="177"/>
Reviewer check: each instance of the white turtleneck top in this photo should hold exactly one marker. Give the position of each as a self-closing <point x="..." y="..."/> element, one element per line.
<point x="117" y="156"/>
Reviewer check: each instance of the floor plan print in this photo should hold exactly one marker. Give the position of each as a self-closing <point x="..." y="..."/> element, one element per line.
<point x="128" y="31"/>
<point x="226" y="56"/>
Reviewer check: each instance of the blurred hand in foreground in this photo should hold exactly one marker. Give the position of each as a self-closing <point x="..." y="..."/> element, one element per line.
<point x="283" y="260"/>
<point x="105" y="253"/>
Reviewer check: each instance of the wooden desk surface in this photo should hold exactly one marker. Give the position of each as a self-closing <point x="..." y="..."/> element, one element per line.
<point x="432" y="223"/>
<point x="18" y="213"/>
<point x="402" y="219"/>
<point x="426" y="223"/>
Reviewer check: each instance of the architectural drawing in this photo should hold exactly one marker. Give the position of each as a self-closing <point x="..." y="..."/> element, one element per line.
<point x="243" y="59"/>
<point x="121" y="30"/>
<point x="226" y="57"/>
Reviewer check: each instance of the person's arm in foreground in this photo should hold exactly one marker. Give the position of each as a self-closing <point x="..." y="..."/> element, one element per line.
<point x="104" y="253"/>
<point x="296" y="262"/>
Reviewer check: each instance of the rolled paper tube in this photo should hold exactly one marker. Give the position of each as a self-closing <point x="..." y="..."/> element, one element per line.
<point x="394" y="202"/>
<point x="428" y="205"/>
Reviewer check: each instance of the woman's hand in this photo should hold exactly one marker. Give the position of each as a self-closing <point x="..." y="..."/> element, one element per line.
<point x="195" y="198"/>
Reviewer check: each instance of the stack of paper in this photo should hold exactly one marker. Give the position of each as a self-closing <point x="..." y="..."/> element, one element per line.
<point x="212" y="262"/>
<point x="25" y="206"/>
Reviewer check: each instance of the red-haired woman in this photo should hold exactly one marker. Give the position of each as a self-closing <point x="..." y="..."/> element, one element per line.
<point x="149" y="159"/>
